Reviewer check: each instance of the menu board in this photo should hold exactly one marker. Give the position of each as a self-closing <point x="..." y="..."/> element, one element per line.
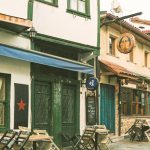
<point x="90" y="110"/>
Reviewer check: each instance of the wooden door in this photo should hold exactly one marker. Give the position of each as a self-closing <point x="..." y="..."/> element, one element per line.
<point x="107" y="106"/>
<point x="68" y="110"/>
<point x="42" y="106"/>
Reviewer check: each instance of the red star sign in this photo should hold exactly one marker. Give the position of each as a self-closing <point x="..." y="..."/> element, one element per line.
<point x="21" y="105"/>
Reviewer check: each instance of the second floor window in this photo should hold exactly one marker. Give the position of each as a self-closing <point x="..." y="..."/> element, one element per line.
<point x="146" y="59"/>
<point x="112" y="46"/>
<point x="80" y="7"/>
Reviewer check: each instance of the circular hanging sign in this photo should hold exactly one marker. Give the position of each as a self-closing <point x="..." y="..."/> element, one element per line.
<point x="92" y="83"/>
<point x="125" y="43"/>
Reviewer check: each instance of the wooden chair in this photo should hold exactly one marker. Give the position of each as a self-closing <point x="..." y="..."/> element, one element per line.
<point x="86" y="142"/>
<point x="7" y="139"/>
<point x="147" y="132"/>
<point x="70" y="140"/>
<point x="135" y="131"/>
<point x="20" y="140"/>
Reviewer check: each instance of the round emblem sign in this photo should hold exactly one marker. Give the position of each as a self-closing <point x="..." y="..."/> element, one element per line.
<point x="92" y="83"/>
<point x="126" y="43"/>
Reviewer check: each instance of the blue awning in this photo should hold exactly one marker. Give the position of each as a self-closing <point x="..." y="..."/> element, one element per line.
<point x="45" y="59"/>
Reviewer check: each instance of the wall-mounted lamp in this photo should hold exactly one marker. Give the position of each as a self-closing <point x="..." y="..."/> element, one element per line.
<point x="32" y="32"/>
<point x="143" y="98"/>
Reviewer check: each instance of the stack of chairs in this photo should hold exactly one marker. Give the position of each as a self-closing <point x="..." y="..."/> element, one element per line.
<point x="103" y="138"/>
<point x="6" y="139"/>
<point x="136" y="130"/>
<point x="86" y="141"/>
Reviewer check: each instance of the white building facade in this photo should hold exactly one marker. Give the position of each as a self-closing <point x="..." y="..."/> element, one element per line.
<point x="40" y="74"/>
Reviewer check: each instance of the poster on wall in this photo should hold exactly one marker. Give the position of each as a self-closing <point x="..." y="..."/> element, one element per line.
<point x="90" y="110"/>
<point x="21" y="105"/>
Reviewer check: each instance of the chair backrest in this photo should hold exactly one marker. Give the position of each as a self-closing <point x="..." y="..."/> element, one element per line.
<point x="86" y="141"/>
<point x="148" y="122"/>
<point x="7" y="138"/>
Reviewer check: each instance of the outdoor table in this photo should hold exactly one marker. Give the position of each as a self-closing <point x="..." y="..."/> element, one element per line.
<point x="36" y="138"/>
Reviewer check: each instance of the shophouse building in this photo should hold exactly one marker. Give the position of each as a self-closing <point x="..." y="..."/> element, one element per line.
<point x="46" y="47"/>
<point x="124" y="74"/>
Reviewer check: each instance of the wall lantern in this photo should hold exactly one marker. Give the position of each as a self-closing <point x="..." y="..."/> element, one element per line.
<point x="32" y="32"/>
<point x="143" y="98"/>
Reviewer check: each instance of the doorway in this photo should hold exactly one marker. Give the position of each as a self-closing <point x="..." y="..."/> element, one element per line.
<point x="107" y="106"/>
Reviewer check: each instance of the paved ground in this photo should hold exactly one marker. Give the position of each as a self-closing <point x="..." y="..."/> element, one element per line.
<point x="126" y="144"/>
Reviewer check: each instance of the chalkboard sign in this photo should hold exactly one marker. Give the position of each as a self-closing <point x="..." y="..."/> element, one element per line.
<point x="90" y="110"/>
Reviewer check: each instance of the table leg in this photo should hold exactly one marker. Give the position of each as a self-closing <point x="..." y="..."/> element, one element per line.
<point x="96" y="142"/>
<point x="34" y="145"/>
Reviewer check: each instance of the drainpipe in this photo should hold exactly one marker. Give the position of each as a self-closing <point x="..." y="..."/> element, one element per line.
<point x="119" y="107"/>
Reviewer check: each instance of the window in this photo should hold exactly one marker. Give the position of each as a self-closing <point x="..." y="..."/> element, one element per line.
<point x="4" y="93"/>
<point x="51" y="2"/>
<point x="146" y="58"/>
<point x="80" y="7"/>
<point x="134" y="102"/>
<point x="131" y="56"/>
<point x="112" y="46"/>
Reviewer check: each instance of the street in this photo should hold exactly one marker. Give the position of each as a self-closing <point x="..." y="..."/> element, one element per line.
<point x="126" y="144"/>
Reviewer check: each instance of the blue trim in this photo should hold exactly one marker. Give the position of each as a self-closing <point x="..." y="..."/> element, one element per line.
<point x="45" y="59"/>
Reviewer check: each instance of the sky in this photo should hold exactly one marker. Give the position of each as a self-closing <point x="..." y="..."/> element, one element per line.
<point x="129" y="7"/>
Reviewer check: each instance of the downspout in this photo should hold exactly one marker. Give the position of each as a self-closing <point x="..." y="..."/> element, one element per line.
<point x="119" y="107"/>
<point x="30" y="17"/>
<point x="30" y="10"/>
<point x="97" y="62"/>
<point x="97" y="71"/>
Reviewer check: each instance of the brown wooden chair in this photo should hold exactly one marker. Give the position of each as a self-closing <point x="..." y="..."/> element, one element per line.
<point x="86" y="142"/>
<point x="7" y="139"/>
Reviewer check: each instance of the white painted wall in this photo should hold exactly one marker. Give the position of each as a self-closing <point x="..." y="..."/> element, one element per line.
<point x="13" y="39"/>
<point x="20" y="73"/>
<point x="56" y="22"/>
<point x="17" y="8"/>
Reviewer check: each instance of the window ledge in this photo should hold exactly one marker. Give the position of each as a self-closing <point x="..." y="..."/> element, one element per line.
<point x="48" y="3"/>
<point x="74" y="12"/>
<point x="112" y="55"/>
<point x="131" y="62"/>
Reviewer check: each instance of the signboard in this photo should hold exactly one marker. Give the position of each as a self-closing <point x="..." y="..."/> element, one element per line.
<point x="125" y="43"/>
<point x="92" y="83"/>
<point x="90" y="110"/>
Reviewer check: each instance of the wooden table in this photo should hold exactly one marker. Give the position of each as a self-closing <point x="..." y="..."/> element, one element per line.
<point x="35" y="138"/>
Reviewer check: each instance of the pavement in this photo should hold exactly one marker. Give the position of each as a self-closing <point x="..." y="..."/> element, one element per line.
<point x="126" y="144"/>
